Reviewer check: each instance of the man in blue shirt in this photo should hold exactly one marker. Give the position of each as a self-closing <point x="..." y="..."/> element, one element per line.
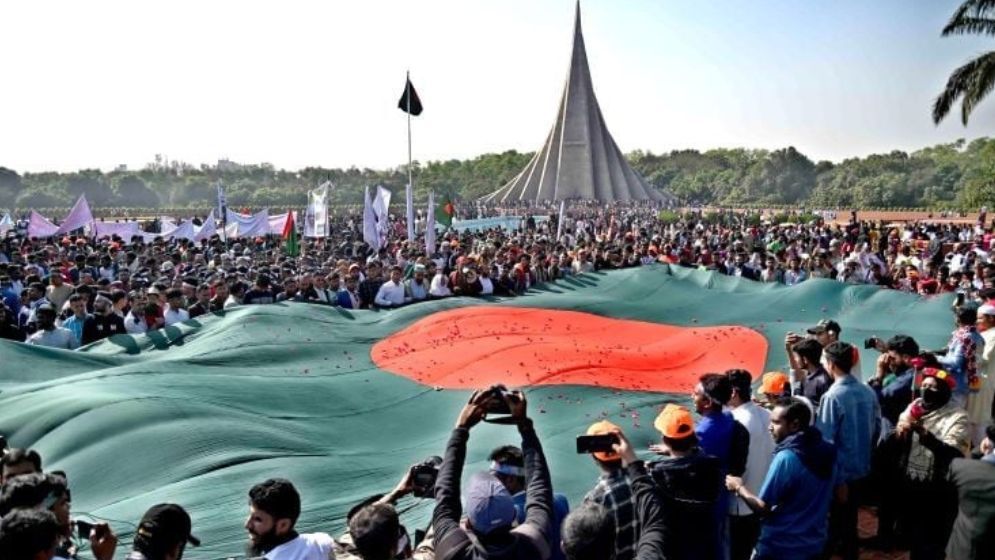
<point x="720" y="436"/>
<point x="795" y="496"/>
<point x="849" y="418"/>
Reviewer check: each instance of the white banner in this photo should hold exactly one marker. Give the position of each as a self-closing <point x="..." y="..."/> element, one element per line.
<point x="316" y="219"/>
<point x="380" y="208"/>
<point x="208" y="229"/>
<point x="240" y="225"/>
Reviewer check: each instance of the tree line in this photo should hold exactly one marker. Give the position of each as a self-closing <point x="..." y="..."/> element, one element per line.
<point x="959" y="175"/>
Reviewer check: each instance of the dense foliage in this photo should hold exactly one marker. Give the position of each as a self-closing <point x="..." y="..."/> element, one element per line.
<point x="960" y="175"/>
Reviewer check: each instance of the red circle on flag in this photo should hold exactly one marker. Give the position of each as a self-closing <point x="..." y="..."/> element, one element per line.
<point x="476" y="347"/>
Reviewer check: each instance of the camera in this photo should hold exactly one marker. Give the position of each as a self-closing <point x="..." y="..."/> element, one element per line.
<point x="871" y="343"/>
<point x="83" y="529"/>
<point x="596" y="443"/>
<point x="423" y="476"/>
<point x="496" y="403"/>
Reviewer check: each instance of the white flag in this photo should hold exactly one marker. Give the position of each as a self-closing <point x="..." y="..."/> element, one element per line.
<point x="309" y="215"/>
<point x="380" y="209"/>
<point x="370" y="233"/>
<point x="559" y="223"/>
<point x="409" y="196"/>
<point x="430" y="226"/>
<point x="321" y="210"/>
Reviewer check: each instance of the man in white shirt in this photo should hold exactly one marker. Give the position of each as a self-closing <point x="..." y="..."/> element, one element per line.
<point x="744" y="524"/>
<point x="50" y="335"/>
<point x="274" y="507"/>
<point x="175" y="312"/>
<point x="391" y="292"/>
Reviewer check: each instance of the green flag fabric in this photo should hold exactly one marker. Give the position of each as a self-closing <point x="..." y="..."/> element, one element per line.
<point x="338" y="402"/>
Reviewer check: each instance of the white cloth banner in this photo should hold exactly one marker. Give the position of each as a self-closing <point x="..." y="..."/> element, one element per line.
<point x="185" y="231"/>
<point x="316" y="219"/>
<point x="208" y="229"/>
<point x="248" y="226"/>
<point x="124" y="230"/>
<point x="370" y="234"/>
<point x="380" y="208"/>
<point x="6" y="224"/>
<point x="40" y="226"/>
<point x="278" y="223"/>
<point x="79" y="217"/>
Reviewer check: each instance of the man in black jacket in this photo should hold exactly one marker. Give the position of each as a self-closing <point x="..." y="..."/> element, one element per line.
<point x="490" y="509"/>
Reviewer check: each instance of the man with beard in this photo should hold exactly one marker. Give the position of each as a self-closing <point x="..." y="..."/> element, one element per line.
<point x="274" y="506"/>
<point x="50" y="335"/>
<point x="794" y="499"/>
<point x="103" y="323"/>
<point x="162" y="534"/>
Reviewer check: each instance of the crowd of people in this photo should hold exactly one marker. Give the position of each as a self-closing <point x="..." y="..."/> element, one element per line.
<point x="780" y="474"/>
<point x="72" y="290"/>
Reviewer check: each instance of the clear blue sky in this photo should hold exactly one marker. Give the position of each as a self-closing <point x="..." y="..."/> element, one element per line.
<point x="95" y="84"/>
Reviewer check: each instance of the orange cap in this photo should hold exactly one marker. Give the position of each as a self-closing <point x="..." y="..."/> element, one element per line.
<point x="675" y="422"/>
<point x="774" y="383"/>
<point x="601" y="428"/>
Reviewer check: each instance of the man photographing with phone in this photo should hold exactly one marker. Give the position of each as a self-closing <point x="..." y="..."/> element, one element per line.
<point x="490" y="509"/>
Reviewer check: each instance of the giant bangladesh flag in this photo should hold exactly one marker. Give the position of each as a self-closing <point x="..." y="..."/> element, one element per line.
<point x="341" y="402"/>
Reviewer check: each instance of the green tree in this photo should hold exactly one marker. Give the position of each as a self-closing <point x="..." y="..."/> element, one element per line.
<point x="973" y="81"/>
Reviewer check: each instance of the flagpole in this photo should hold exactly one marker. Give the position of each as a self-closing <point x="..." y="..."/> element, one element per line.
<point x="408" y="214"/>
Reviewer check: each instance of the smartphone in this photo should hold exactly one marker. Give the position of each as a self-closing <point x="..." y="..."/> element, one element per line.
<point x="870" y="343"/>
<point x="960" y="298"/>
<point x="83" y="529"/>
<point x="591" y="444"/>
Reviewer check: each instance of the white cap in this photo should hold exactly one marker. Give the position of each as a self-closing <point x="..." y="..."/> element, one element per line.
<point x="987" y="309"/>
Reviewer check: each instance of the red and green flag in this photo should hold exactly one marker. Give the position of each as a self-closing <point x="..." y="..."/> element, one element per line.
<point x="291" y="243"/>
<point x="445" y="211"/>
<point x="341" y="401"/>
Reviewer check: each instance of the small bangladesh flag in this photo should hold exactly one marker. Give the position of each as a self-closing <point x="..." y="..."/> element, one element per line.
<point x="291" y="246"/>
<point x="445" y="211"/>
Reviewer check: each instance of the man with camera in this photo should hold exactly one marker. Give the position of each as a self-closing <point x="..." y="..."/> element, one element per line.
<point x="588" y="533"/>
<point x="490" y="509"/>
<point x="163" y="534"/>
<point x="49" y="491"/>
<point x="894" y="375"/>
<point x="613" y="491"/>
<point x="375" y="529"/>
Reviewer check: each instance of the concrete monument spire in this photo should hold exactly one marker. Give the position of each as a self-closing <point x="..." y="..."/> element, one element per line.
<point x="579" y="159"/>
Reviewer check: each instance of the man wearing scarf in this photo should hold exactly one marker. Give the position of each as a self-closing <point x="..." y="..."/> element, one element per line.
<point x="931" y="432"/>
<point x="794" y="499"/>
<point x="963" y="353"/>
